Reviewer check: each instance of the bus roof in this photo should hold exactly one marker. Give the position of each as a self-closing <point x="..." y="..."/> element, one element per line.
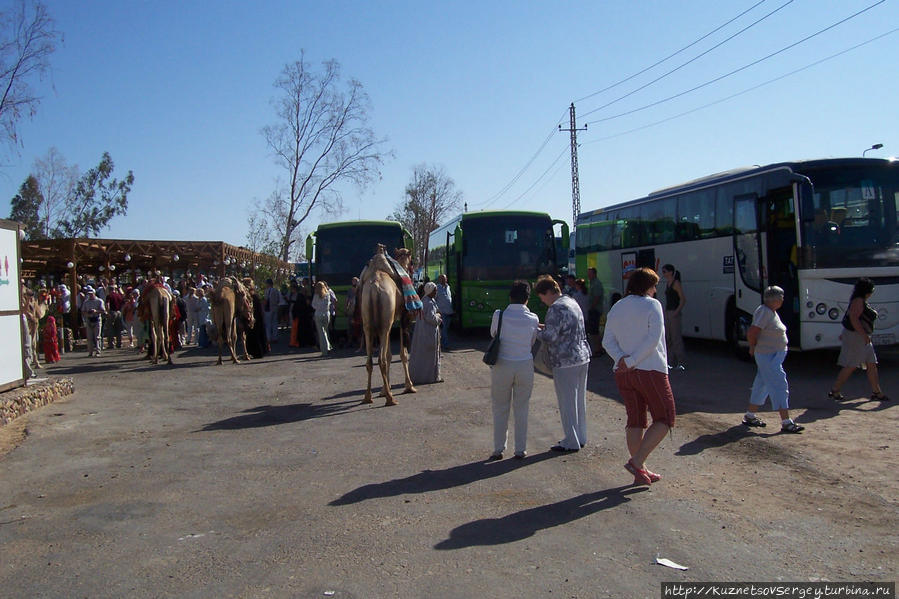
<point x="493" y="213"/>
<point x="358" y="223"/>
<point x="796" y="166"/>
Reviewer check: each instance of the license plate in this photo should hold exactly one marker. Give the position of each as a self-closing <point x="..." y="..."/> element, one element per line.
<point x="888" y="339"/>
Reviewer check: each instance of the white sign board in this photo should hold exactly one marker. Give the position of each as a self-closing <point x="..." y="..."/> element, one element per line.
<point x="11" y="349"/>
<point x="11" y="370"/>
<point x="9" y="270"/>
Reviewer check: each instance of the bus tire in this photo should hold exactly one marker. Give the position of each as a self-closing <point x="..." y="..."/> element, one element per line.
<point x="733" y="332"/>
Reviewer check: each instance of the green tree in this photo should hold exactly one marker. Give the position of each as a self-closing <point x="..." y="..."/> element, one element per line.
<point x="96" y="199"/>
<point x="26" y="208"/>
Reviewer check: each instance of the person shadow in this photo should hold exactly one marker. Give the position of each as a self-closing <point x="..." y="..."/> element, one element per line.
<point x="268" y="415"/>
<point x="720" y="439"/>
<point x="427" y="481"/>
<point x="525" y="523"/>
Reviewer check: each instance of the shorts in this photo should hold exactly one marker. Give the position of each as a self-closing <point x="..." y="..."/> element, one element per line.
<point x="644" y="390"/>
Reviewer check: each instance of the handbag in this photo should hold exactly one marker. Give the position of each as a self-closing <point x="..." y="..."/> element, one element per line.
<point x="541" y="359"/>
<point x="492" y="353"/>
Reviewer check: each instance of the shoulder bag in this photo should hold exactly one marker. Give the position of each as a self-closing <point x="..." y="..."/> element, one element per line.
<point x="492" y="352"/>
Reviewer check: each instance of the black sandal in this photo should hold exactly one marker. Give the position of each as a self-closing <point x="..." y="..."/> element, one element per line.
<point x="880" y="397"/>
<point x="836" y="395"/>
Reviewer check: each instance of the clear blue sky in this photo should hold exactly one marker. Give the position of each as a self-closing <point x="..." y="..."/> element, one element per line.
<point x="178" y="92"/>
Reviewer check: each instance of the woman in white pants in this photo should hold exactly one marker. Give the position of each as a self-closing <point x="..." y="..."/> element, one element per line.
<point x="512" y="377"/>
<point x="321" y="303"/>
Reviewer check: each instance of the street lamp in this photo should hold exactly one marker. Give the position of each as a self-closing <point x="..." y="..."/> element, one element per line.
<point x="874" y="147"/>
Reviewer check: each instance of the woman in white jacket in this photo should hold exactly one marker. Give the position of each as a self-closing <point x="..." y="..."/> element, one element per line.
<point x="635" y="340"/>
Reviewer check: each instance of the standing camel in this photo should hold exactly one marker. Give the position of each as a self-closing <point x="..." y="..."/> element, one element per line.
<point x="157" y="303"/>
<point x="230" y="304"/>
<point x="381" y="305"/>
<point x="36" y="307"/>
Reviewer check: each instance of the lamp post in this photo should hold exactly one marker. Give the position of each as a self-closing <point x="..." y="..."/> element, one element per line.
<point x="874" y="147"/>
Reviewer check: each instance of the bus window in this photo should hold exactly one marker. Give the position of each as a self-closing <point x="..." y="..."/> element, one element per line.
<point x="698" y="207"/>
<point x="724" y="213"/>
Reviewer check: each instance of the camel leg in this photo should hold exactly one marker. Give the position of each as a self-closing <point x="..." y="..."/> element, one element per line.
<point x="384" y="364"/>
<point x="232" y="341"/>
<point x="242" y="336"/>
<point x="404" y="356"/>
<point x="154" y="339"/>
<point x="368" y="364"/>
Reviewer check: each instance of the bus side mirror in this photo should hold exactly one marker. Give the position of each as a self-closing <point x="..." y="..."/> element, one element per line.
<point x="566" y="236"/>
<point x="457" y="240"/>
<point x="309" y="249"/>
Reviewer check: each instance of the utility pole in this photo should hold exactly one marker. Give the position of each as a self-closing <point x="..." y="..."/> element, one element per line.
<point x="575" y="183"/>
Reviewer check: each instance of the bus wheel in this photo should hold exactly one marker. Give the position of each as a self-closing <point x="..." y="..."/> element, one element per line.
<point x="737" y="325"/>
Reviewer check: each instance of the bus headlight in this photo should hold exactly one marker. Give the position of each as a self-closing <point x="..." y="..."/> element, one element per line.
<point x="811" y="314"/>
<point x="809" y="304"/>
<point x="834" y="313"/>
<point x="820" y="308"/>
<point x="472" y="303"/>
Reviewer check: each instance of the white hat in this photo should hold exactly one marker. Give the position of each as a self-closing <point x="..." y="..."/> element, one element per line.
<point x="430" y="287"/>
<point x="88" y="289"/>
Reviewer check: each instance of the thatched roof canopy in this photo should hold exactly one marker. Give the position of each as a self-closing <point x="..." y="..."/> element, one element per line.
<point x="114" y="256"/>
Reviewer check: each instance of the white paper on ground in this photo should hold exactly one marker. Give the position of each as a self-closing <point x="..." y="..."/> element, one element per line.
<point x="664" y="561"/>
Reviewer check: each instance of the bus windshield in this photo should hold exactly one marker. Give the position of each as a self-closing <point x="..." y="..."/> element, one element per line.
<point x="508" y="247"/>
<point x="852" y="218"/>
<point x="342" y="252"/>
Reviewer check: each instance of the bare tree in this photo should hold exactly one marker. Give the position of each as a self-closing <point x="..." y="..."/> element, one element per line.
<point x="322" y="140"/>
<point x="27" y="39"/>
<point x="56" y="182"/>
<point x="259" y="238"/>
<point x="431" y="196"/>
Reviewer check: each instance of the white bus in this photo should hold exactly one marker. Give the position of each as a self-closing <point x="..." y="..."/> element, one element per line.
<point x="812" y="227"/>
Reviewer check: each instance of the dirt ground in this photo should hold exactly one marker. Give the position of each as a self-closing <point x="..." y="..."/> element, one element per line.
<point x="270" y="479"/>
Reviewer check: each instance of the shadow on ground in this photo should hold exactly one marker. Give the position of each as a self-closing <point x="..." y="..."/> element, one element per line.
<point x="524" y="524"/>
<point x="269" y="415"/>
<point x="436" y="480"/>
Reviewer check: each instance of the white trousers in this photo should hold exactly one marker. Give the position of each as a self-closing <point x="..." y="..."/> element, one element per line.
<point x="270" y="320"/>
<point x="322" y="320"/>
<point x="511" y="383"/>
<point x="571" y="393"/>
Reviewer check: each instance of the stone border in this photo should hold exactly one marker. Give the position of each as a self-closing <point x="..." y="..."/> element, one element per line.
<point x="16" y="402"/>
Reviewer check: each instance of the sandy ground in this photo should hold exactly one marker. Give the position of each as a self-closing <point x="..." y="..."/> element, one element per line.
<point x="270" y="479"/>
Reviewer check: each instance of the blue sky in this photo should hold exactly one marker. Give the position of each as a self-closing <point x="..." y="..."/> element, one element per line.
<point x="177" y="92"/>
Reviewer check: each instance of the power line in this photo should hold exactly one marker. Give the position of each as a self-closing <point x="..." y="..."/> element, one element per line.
<point x="534" y="184"/>
<point x="670" y="56"/>
<point x="745" y="91"/>
<point x="694" y="59"/>
<point x="743" y="68"/>
<point x="521" y="171"/>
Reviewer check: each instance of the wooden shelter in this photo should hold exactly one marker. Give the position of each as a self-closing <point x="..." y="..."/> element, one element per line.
<point x="67" y="259"/>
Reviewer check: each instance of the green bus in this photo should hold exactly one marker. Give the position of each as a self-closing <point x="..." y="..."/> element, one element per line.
<point x="337" y="252"/>
<point x="481" y="253"/>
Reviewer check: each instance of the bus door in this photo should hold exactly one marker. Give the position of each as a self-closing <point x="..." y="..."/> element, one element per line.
<point x="782" y="254"/>
<point x="749" y="274"/>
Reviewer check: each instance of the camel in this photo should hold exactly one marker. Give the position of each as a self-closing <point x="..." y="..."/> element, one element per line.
<point x="156" y="302"/>
<point x="231" y="305"/>
<point x="382" y="304"/>
<point x="36" y="307"/>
